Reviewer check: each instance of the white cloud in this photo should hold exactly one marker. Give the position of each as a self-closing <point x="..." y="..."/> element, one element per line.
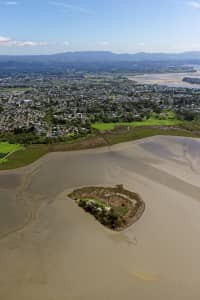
<point x="69" y="7"/>
<point x="66" y="43"/>
<point x="8" y="3"/>
<point x="104" y="43"/>
<point x="6" y="41"/>
<point x="194" y="4"/>
<point x="29" y="43"/>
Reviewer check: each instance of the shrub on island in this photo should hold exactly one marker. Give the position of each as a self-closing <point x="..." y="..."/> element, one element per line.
<point x="104" y="214"/>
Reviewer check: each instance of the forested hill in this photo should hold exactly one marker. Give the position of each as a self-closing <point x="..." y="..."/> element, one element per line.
<point x="100" y="61"/>
<point x="102" y="56"/>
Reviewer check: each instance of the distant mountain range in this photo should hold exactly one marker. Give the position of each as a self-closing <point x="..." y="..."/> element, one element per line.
<point x="99" y="61"/>
<point x="101" y="56"/>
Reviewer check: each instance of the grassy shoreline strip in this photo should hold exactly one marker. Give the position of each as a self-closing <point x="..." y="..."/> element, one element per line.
<point x="31" y="153"/>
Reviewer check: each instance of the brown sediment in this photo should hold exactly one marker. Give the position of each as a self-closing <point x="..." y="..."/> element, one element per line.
<point x="116" y="198"/>
<point x="63" y="253"/>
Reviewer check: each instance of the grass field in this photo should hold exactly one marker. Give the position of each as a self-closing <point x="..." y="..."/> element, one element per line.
<point x="150" y="122"/>
<point x="23" y="156"/>
<point x="7" y="149"/>
<point x="135" y="133"/>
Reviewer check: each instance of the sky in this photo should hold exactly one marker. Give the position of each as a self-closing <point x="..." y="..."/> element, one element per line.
<point x="120" y="26"/>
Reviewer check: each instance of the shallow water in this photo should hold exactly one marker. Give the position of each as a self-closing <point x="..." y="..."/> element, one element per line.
<point x="64" y="253"/>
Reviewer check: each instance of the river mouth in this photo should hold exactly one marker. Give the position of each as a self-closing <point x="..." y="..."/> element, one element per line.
<point x="54" y="250"/>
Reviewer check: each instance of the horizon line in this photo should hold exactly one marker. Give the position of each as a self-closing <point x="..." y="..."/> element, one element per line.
<point x="108" y="51"/>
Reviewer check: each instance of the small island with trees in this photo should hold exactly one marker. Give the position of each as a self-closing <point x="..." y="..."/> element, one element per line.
<point x="114" y="207"/>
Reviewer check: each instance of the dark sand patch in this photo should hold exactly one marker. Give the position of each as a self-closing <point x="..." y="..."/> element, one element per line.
<point x="13" y="213"/>
<point x="9" y="181"/>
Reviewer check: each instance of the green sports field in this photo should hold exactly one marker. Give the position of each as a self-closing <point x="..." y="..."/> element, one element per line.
<point x="6" y="149"/>
<point x="149" y="122"/>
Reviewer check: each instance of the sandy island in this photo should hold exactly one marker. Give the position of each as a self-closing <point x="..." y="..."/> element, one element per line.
<point x="51" y="249"/>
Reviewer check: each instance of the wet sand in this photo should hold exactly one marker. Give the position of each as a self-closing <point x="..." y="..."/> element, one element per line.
<point x="51" y="249"/>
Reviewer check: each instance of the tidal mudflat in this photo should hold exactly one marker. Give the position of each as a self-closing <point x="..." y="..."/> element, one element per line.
<point x="51" y="249"/>
<point x="168" y="79"/>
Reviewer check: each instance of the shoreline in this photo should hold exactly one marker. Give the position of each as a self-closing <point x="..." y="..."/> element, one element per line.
<point x="117" y="136"/>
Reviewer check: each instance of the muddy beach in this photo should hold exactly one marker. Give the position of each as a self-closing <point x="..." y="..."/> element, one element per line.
<point x="51" y="249"/>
